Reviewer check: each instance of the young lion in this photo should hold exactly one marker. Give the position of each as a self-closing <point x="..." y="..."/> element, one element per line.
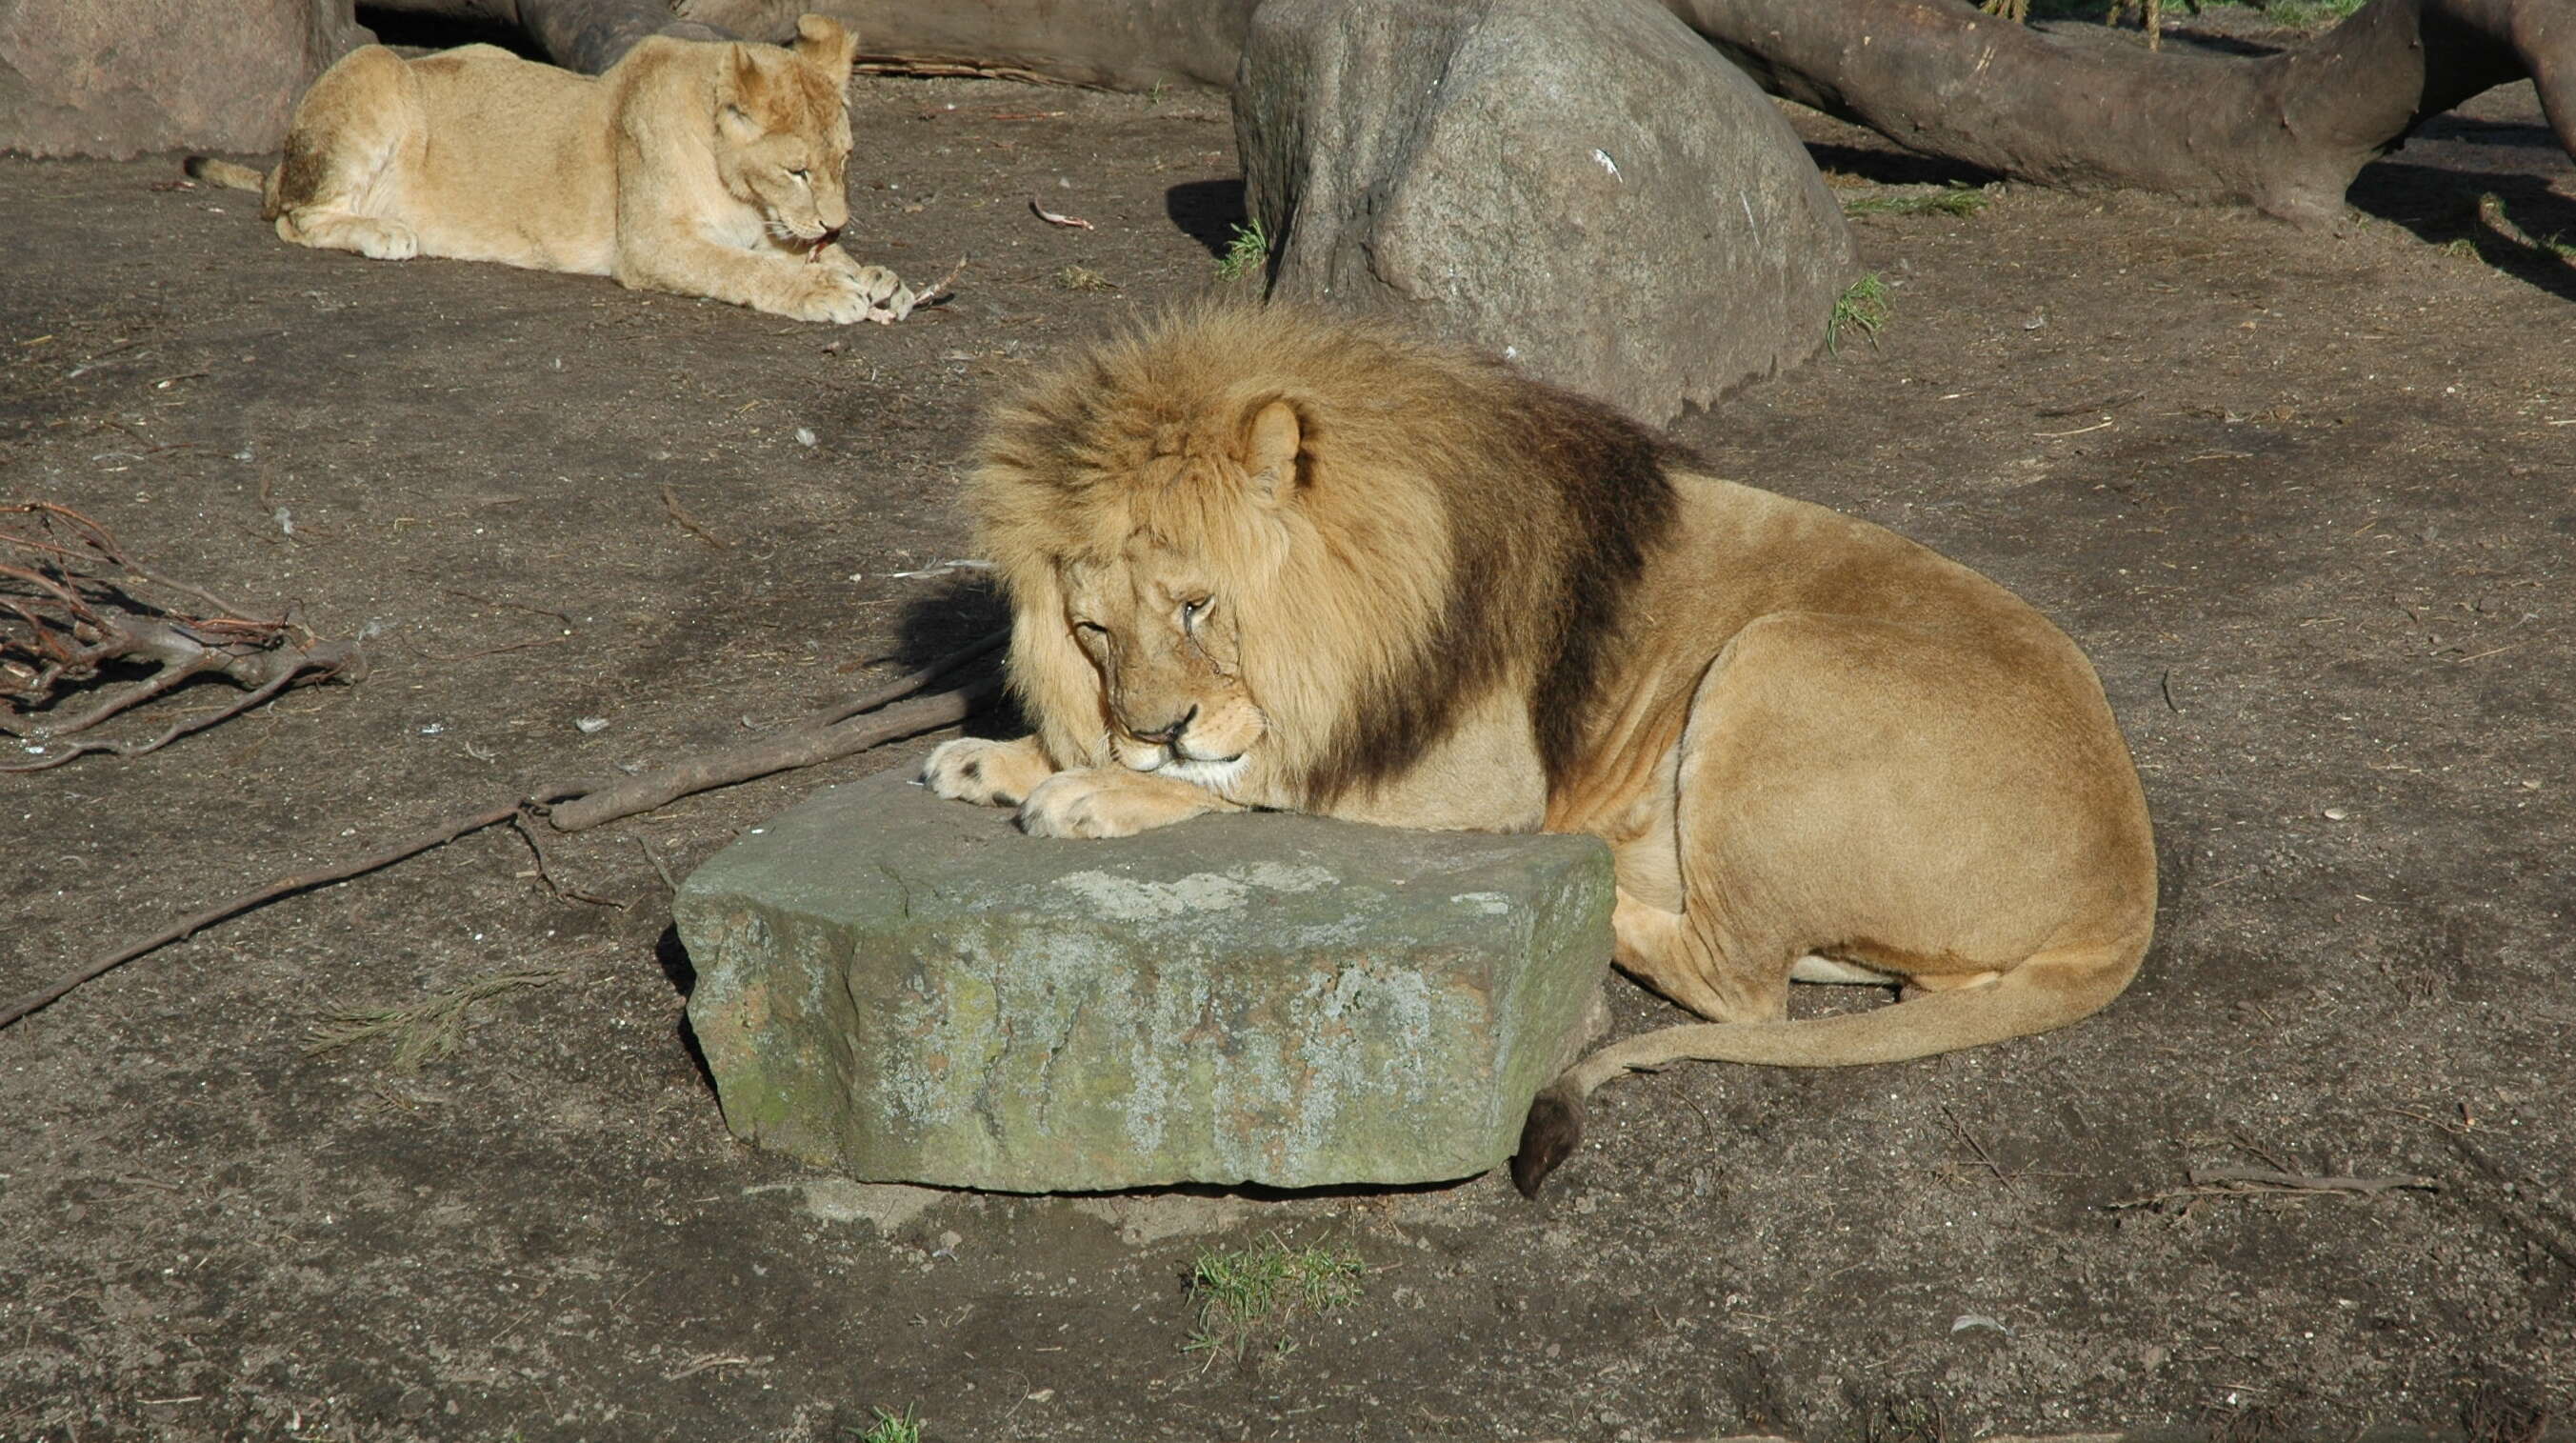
<point x="695" y="167"/>
<point x="1266" y="559"/>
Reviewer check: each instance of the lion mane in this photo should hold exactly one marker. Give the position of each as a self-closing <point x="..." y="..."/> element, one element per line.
<point x="1265" y="558"/>
<point x="1461" y="530"/>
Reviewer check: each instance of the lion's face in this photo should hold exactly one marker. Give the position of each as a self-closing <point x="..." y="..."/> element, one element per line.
<point x="1167" y="645"/>
<point x="783" y="145"/>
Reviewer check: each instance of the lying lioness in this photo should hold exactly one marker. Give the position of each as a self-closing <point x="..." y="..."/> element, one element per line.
<point x="690" y="166"/>
<point x="1258" y="558"/>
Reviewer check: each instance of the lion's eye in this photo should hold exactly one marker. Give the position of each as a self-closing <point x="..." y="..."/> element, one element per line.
<point x="1090" y="628"/>
<point x="801" y="174"/>
<point x="1194" y="609"/>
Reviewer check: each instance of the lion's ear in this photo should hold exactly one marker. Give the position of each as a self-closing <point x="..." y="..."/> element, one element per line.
<point x="1272" y="439"/>
<point x="738" y="90"/>
<point x="822" y="40"/>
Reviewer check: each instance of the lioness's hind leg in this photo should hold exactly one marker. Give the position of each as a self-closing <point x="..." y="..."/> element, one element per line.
<point x="383" y="240"/>
<point x="355" y="134"/>
<point x="987" y="773"/>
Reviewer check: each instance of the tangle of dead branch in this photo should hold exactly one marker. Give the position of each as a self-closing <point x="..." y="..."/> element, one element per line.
<point x="76" y="609"/>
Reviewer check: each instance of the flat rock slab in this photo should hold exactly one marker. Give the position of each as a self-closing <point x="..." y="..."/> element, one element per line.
<point x="910" y="990"/>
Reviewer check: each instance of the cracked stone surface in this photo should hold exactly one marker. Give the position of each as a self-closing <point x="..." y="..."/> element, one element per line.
<point x="909" y="990"/>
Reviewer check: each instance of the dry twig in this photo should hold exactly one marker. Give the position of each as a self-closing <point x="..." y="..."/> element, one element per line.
<point x="423" y="1031"/>
<point x="2234" y="1181"/>
<point x="72" y="608"/>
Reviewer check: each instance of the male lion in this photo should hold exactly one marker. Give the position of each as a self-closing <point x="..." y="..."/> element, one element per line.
<point x="696" y="167"/>
<point x="1259" y="558"/>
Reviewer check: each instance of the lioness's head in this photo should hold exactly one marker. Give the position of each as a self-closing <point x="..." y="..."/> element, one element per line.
<point x="783" y="131"/>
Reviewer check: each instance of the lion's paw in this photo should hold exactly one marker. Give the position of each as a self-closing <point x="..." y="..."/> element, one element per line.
<point x="1107" y="802"/>
<point x="987" y="773"/>
<point x="387" y="240"/>
<point x="827" y="293"/>
<point x="889" y="299"/>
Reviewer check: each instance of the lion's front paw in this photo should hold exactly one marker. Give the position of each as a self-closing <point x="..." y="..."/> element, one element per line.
<point x="826" y="293"/>
<point x="1110" y="802"/>
<point x="889" y="299"/>
<point x="987" y="773"/>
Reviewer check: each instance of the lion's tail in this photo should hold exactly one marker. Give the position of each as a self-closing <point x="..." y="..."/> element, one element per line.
<point x="223" y="173"/>
<point x="2050" y="990"/>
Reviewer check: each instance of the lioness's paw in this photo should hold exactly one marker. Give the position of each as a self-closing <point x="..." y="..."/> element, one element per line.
<point x="889" y="299"/>
<point x="987" y="773"/>
<point x="388" y="241"/>
<point x="821" y="293"/>
<point x="1106" y="802"/>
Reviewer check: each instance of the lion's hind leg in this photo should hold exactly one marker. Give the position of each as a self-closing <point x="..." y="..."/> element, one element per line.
<point x="357" y="134"/>
<point x="1944" y="810"/>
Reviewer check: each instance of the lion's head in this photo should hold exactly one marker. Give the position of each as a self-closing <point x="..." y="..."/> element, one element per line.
<point x="1279" y="554"/>
<point x="783" y="132"/>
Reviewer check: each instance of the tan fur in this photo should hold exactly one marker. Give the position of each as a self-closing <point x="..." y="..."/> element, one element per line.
<point x="1266" y="559"/>
<point x="699" y="168"/>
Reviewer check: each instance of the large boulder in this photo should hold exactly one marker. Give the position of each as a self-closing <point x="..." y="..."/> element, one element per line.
<point x="905" y="989"/>
<point x="118" y="78"/>
<point x="1583" y="185"/>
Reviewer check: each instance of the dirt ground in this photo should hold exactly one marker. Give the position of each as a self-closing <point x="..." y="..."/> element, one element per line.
<point x="2308" y="500"/>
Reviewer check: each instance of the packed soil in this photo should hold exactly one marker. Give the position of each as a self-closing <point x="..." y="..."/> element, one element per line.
<point x="2307" y="499"/>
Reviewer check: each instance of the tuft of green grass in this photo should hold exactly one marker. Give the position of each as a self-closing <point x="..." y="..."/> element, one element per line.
<point x="2310" y="14"/>
<point x="1863" y="306"/>
<point x="2491" y="214"/>
<point x="1249" y="251"/>
<point x="1243" y="1292"/>
<point x="423" y="1031"/>
<point x="900" y="1427"/>
<point x="1083" y="278"/>
<point x="1957" y="198"/>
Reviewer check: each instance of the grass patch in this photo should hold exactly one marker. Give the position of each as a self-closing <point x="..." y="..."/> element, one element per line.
<point x="2492" y="215"/>
<point x="1245" y="1292"/>
<point x="1863" y="306"/>
<point x="1249" y="251"/>
<point x="424" y="1031"/>
<point x="1956" y="198"/>
<point x="2310" y="14"/>
<point x="1083" y="278"/>
<point x="900" y="1427"/>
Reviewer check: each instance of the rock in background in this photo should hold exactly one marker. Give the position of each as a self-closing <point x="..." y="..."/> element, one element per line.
<point x="1584" y="185"/>
<point x="118" y="78"/>
<point x="910" y="990"/>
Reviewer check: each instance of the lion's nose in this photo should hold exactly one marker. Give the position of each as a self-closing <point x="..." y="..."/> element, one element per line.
<point x="1165" y="736"/>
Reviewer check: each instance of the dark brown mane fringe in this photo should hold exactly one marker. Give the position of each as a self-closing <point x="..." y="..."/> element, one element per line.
<point x="1550" y="527"/>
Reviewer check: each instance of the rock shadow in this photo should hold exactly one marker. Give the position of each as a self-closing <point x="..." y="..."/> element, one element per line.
<point x="1208" y="211"/>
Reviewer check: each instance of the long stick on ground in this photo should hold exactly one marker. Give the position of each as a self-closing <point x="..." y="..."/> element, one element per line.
<point x="185" y="927"/>
<point x="867" y="721"/>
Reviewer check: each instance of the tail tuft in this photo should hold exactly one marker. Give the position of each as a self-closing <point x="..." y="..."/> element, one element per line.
<point x="1548" y="1137"/>
<point x="221" y="172"/>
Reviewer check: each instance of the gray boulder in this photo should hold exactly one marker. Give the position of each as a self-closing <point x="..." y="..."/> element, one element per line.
<point x="117" y="78"/>
<point x="910" y="990"/>
<point x="1583" y="185"/>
